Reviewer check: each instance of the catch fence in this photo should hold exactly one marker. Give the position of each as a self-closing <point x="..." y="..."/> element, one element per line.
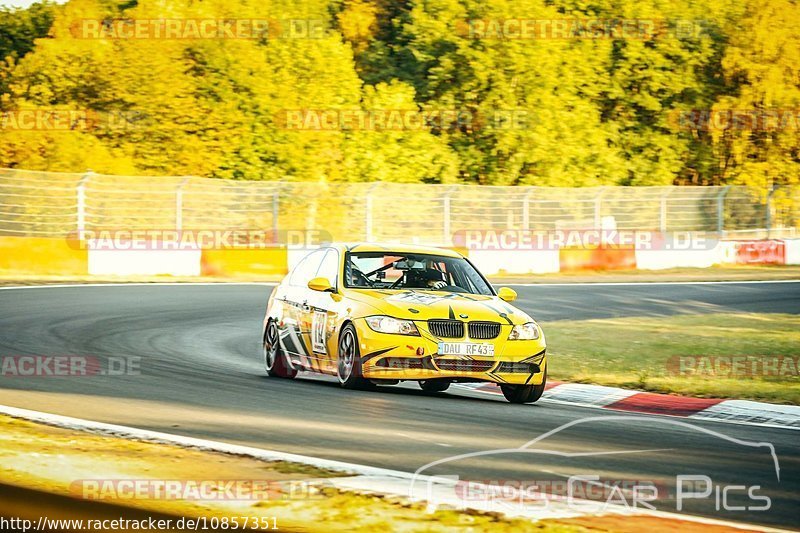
<point x="49" y="204"/>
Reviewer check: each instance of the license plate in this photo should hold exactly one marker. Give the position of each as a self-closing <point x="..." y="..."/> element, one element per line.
<point x="466" y="348"/>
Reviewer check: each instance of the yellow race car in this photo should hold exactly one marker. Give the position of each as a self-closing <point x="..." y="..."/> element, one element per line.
<point x="380" y="314"/>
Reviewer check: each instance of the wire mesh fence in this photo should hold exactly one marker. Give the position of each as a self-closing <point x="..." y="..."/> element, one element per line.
<point x="49" y="204"/>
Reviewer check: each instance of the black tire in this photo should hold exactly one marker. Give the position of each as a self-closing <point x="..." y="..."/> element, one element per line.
<point x="348" y="361"/>
<point x="524" y="393"/>
<point x="434" y="385"/>
<point x="275" y="362"/>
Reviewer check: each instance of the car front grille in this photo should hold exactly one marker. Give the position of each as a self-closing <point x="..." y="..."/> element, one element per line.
<point x="484" y="330"/>
<point x="448" y="329"/>
<point x="464" y="365"/>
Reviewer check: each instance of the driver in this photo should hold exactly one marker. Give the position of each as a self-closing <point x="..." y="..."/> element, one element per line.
<point x="358" y="279"/>
<point x="437" y="284"/>
<point x="429" y="278"/>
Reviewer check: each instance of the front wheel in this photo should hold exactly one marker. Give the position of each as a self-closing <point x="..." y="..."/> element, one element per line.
<point x="348" y="366"/>
<point x="275" y="361"/>
<point x="524" y="393"/>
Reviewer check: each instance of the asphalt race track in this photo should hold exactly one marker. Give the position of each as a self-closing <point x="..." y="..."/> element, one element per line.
<point x="201" y="375"/>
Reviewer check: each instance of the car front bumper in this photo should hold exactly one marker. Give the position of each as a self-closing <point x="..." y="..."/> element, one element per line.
<point x="406" y="357"/>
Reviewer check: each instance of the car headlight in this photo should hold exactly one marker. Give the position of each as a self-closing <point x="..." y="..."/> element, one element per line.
<point x="524" y="332"/>
<point x="387" y="324"/>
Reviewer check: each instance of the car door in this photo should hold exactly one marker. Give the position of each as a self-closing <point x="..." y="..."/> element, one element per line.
<point x="323" y="313"/>
<point x="297" y="328"/>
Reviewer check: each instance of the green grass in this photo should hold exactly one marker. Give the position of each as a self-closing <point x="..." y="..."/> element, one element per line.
<point x="634" y="352"/>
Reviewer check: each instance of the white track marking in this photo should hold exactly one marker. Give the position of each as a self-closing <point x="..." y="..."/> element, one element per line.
<point x="191" y="442"/>
<point x="743" y="411"/>
<point x="740" y="412"/>
<point x="715" y="412"/>
<point x="424" y="440"/>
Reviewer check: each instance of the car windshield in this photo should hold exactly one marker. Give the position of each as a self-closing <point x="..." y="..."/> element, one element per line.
<point x="393" y="270"/>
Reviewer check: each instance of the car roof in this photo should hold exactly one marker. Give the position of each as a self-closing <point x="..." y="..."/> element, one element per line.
<point x="397" y="248"/>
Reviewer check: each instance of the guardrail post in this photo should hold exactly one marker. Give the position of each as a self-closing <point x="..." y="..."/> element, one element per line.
<point x="721" y="211"/>
<point x="446" y="235"/>
<point x="81" y="200"/>
<point x="662" y="218"/>
<point x="275" y="206"/>
<point x="526" y="210"/>
<point x="597" y="203"/>
<point x="768" y="213"/>
<point x="179" y="205"/>
<point x="368" y="213"/>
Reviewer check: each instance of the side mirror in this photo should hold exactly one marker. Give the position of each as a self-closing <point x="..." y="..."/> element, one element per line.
<point x="507" y="294"/>
<point x="321" y="285"/>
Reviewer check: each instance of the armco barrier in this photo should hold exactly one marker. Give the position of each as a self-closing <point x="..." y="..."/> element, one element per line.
<point x="42" y="255"/>
<point x="144" y="262"/>
<point x="727" y="252"/>
<point x="231" y="262"/>
<point x="52" y="256"/>
<point x="597" y="258"/>
<point x="498" y="262"/>
<point x="664" y="259"/>
<point x="764" y="252"/>
<point x="792" y="251"/>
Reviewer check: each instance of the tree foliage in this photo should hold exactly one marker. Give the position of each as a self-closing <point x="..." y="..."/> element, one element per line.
<point x="574" y="111"/>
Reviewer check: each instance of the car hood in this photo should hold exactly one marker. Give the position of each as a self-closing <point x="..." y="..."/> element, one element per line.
<point x="426" y="305"/>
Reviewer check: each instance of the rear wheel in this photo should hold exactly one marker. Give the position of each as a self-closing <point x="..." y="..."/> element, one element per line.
<point x="524" y="393"/>
<point x="275" y="361"/>
<point x="434" y="385"/>
<point x="348" y="366"/>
